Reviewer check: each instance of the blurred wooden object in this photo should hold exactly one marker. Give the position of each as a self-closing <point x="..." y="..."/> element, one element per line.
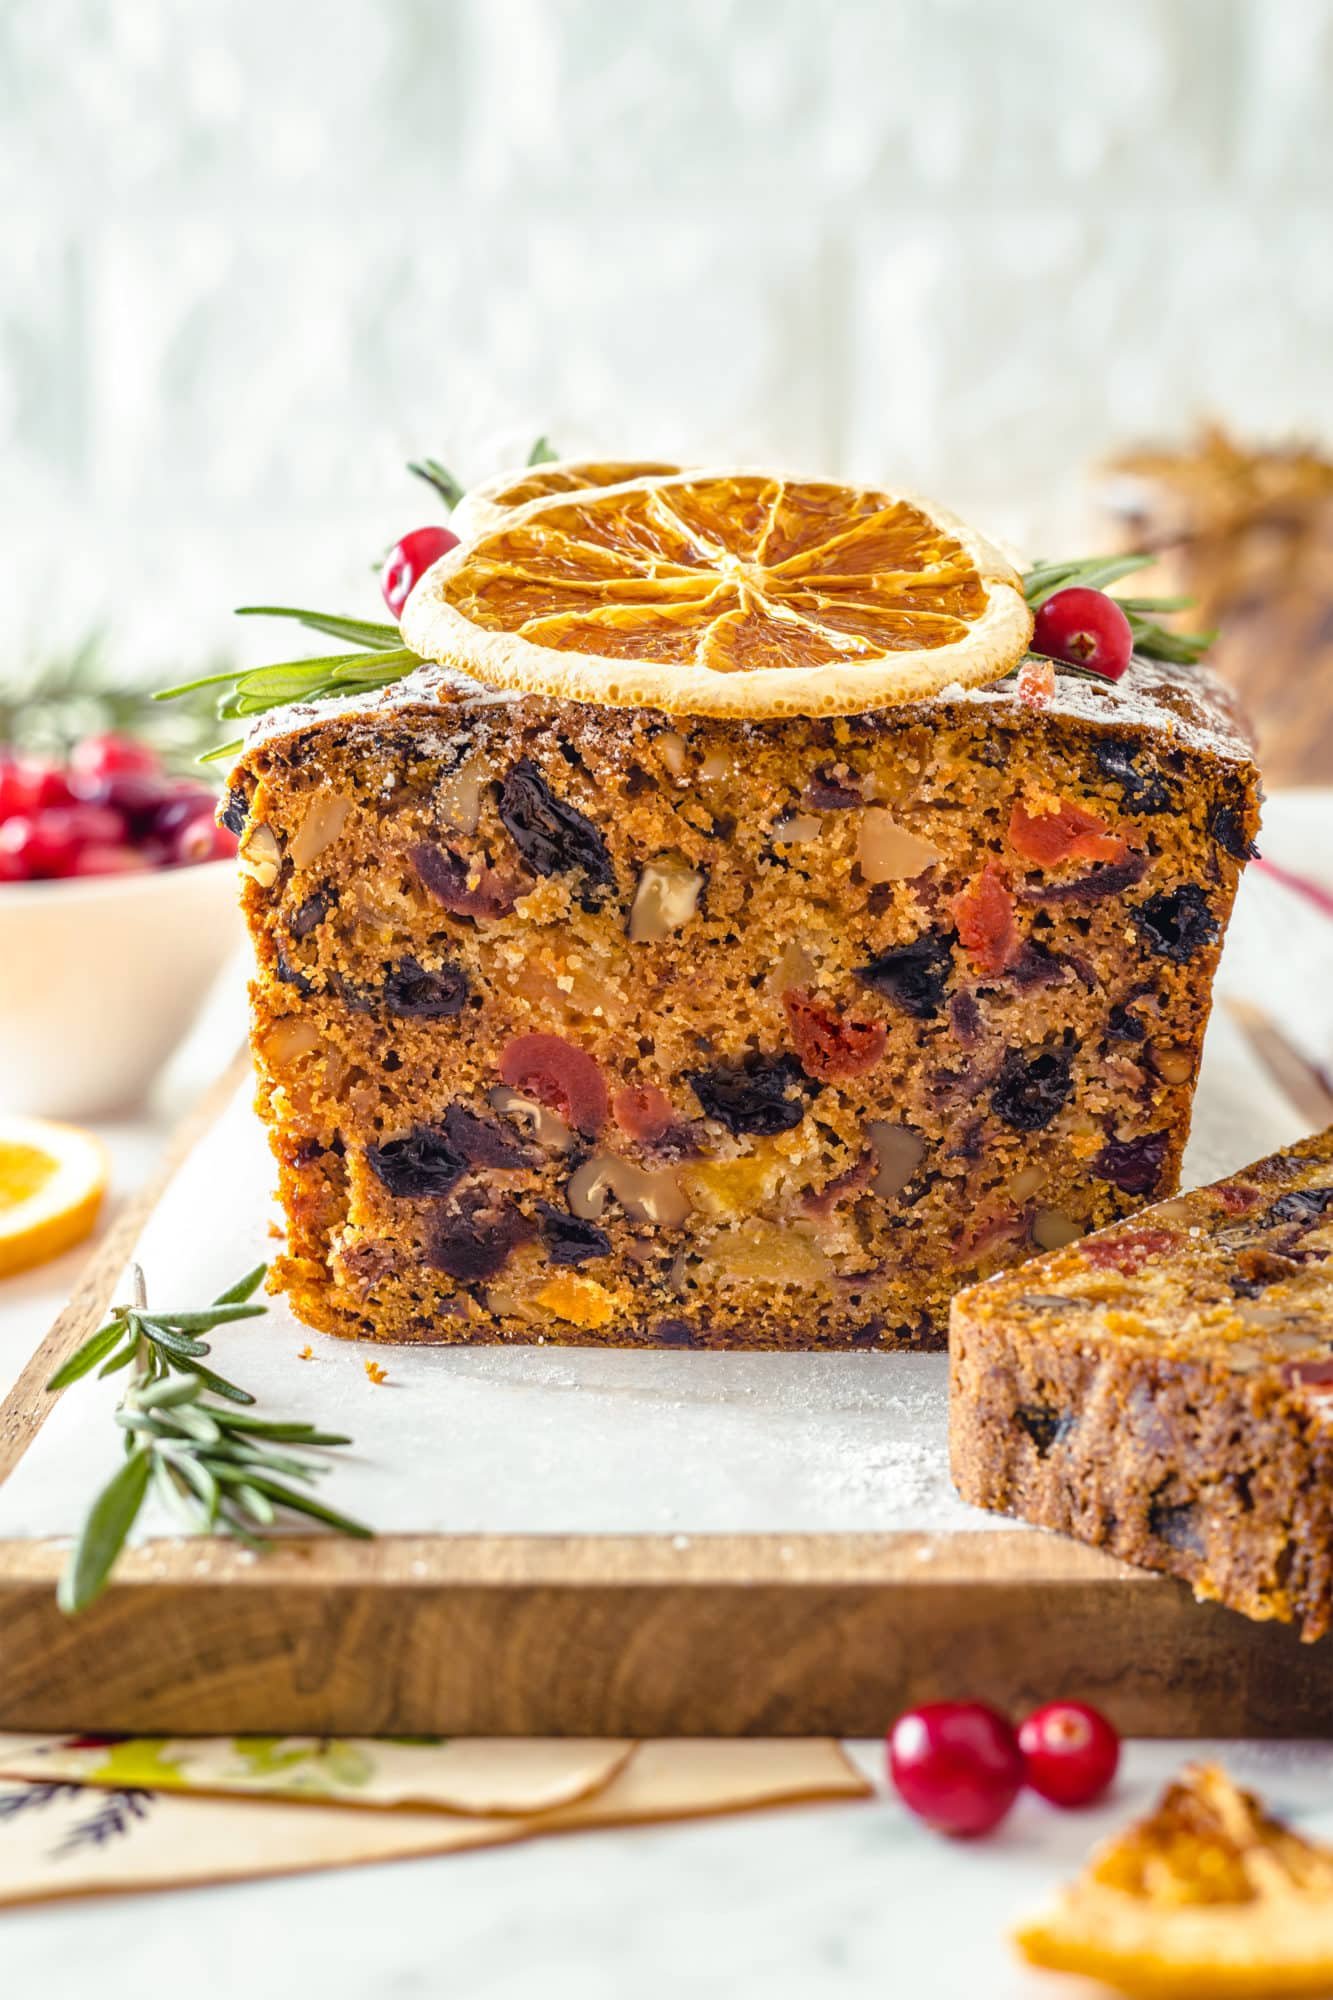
<point x="1249" y="535"/>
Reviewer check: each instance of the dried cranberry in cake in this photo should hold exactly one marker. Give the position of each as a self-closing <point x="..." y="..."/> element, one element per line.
<point x="754" y="1096"/>
<point x="913" y="975"/>
<point x="1129" y="1251"/>
<point x="309" y="915"/>
<point x="1129" y="765"/>
<point x="831" y="1045"/>
<point x="834" y="789"/>
<point x="984" y="914"/>
<point x="1177" y="923"/>
<point x="1069" y="833"/>
<point x="643" y="1112"/>
<point x="559" y="1074"/>
<point x="1133" y="1165"/>
<point x="1226" y="825"/>
<point x="1031" y="1090"/>
<point x="553" y="838"/>
<point x="431" y="1159"/>
<point x="413" y="992"/>
<point x="423" y="1162"/>
<point x="475" y="1243"/>
<point x="567" y="1239"/>
<point x="464" y="889"/>
<point x="235" y="810"/>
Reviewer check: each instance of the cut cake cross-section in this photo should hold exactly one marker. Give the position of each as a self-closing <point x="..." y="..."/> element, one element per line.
<point x="1164" y="1389"/>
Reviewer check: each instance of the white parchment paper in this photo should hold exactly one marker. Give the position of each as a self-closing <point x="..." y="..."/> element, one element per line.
<point x="559" y="1440"/>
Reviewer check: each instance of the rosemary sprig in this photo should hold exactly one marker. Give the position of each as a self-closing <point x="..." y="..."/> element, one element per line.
<point x="439" y="477"/>
<point x="1152" y="640"/>
<point x="215" y="1465"/>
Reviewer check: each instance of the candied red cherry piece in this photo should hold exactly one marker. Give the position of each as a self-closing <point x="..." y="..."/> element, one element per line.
<point x="110" y="756"/>
<point x="1070" y="1752"/>
<point x="408" y="561"/>
<point x="956" y="1764"/>
<point x="560" y="1075"/>
<point x="1085" y="628"/>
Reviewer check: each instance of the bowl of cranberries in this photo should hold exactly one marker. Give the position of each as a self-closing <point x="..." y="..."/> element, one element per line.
<point x="117" y="911"/>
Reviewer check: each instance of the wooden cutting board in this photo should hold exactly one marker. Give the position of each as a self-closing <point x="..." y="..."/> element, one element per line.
<point x="553" y="1623"/>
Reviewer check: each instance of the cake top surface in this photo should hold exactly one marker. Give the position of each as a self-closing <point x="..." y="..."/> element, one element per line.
<point x="1239" y="1274"/>
<point x="1187" y="706"/>
<point x="726" y="593"/>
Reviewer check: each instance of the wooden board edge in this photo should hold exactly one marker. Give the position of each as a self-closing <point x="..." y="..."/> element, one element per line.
<point x="27" y="1406"/>
<point x="987" y="1559"/>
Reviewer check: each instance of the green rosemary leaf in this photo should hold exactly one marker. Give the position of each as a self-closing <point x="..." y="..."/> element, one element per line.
<point x="195" y="1473"/>
<point x="87" y="1357"/>
<point x="301" y="1503"/>
<point x="190" y="687"/>
<point x="377" y="669"/>
<point x="104" y="1532"/>
<point x="244" y="1288"/>
<point x="168" y="1392"/>
<point x="357" y="631"/>
<point x="255" y="1503"/>
<point x="217" y="1383"/>
<point x="542" y="452"/>
<point x="290" y="1433"/>
<point x="439" y="476"/>
<point x="1146" y="606"/>
<point x="117" y="1361"/>
<point x="223" y="752"/>
<point x="178" y="1345"/>
<point x="222" y="1313"/>
<point x="1090" y="573"/>
<point x="290" y="679"/>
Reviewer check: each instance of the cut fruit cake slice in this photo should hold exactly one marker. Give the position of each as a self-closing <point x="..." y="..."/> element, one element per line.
<point x="716" y="944"/>
<point x="1165" y="1389"/>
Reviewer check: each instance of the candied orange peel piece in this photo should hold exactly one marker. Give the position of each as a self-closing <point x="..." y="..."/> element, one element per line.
<point x="724" y="593"/>
<point x="1208" y="1895"/>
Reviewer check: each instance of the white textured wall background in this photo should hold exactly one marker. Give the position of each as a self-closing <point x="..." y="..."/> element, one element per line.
<point x="254" y="253"/>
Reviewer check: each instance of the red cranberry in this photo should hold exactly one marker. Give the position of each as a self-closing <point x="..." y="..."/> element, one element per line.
<point x="35" y="783"/>
<point x="139" y="795"/>
<point x="110" y="756"/>
<point x="956" y="1764"/>
<point x="184" y="803"/>
<point x="202" y="839"/>
<point x="408" y="561"/>
<point x="13" y="795"/>
<point x="1070" y="1752"/>
<point x="95" y="826"/>
<point x="1085" y="628"/>
<point x="44" y="843"/>
<point x="110" y="860"/>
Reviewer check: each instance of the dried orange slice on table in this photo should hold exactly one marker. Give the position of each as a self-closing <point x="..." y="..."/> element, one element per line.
<point x="724" y="593"/>
<point x="52" y="1179"/>
<point x="1209" y="1895"/>
<point x="481" y="507"/>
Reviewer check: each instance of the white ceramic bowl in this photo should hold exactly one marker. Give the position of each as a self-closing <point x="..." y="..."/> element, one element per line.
<point x="100" y="979"/>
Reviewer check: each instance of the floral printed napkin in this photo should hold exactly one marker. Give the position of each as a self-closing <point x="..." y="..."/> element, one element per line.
<point x="502" y="1775"/>
<point x="111" y="1831"/>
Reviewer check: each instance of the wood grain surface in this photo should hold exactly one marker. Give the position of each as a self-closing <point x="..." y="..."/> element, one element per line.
<point x="609" y="1636"/>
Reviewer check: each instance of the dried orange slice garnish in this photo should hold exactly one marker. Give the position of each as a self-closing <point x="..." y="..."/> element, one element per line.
<point x="1207" y="1895"/>
<point x="52" y="1179"/>
<point x="482" y="506"/>
<point x="724" y="593"/>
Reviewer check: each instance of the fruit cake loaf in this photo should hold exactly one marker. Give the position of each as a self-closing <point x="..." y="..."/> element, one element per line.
<point x="1164" y="1389"/>
<point x="585" y="1013"/>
